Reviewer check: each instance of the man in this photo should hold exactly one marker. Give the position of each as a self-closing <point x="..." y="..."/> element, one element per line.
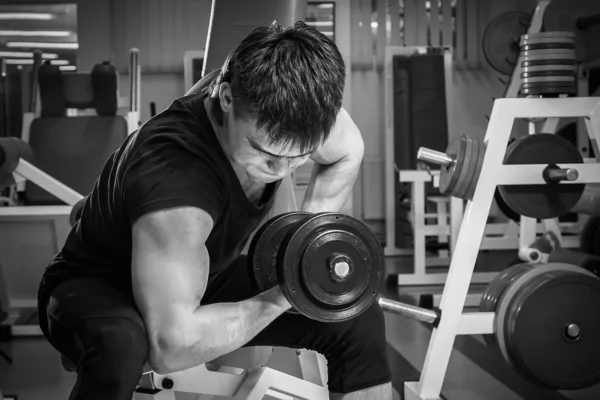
<point x="152" y="271"/>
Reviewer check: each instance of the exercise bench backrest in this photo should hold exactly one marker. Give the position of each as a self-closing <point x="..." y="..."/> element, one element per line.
<point x="74" y="149"/>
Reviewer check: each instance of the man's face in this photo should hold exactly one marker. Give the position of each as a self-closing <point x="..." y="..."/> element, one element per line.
<point x="249" y="148"/>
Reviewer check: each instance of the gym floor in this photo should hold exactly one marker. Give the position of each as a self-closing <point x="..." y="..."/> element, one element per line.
<point x="476" y="371"/>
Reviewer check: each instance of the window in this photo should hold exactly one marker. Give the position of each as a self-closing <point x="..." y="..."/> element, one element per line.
<point x="321" y="16"/>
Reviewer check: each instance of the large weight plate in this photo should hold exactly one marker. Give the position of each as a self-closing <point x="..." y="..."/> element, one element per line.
<point x="562" y="15"/>
<point x="548" y="35"/>
<point x="542" y="201"/>
<point x="547" y="46"/>
<point x="304" y="268"/>
<point x="589" y="238"/>
<point x="538" y="68"/>
<point x="549" y="79"/>
<point x="264" y="247"/>
<point x="450" y="175"/>
<point x="548" y="73"/>
<point x="479" y="155"/>
<point x="551" y="56"/>
<point x="466" y="172"/>
<point x="500" y="40"/>
<point x="534" y="314"/>
<point x="505" y="209"/>
<point x="526" y="41"/>
<point x="495" y="289"/>
<point x="548" y="62"/>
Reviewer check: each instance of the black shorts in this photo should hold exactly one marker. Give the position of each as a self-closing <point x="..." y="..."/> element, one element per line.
<point x="92" y="322"/>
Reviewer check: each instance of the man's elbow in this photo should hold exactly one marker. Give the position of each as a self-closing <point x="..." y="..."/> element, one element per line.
<point x="163" y="352"/>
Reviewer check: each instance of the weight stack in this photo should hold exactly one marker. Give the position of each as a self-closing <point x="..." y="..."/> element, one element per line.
<point x="548" y="64"/>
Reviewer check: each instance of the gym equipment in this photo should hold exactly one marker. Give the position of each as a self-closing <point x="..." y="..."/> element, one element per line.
<point x="579" y="18"/>
<point x="460" y="165"/>
<point x="329" y="265"/>
<point x="539" y="251"/>
<point x="492" y="293"/>
<point x="500" y="53"/>
<point x="495" y="172"/>
<point x="554" y="198"/>
<point x="589" y="238"/>
<point x="589" y="202"/>
<point x="265" y="245"/>
<point x="548" y="63"/>
<point x="555" y="299"/>
<point x="583" y="260"/>
<point x="582" y="19"/>
<point x="16" y="167"/>
<point x="545" y="323"/>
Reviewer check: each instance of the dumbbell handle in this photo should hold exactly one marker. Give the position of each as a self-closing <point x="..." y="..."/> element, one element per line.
<point x="407" y="310"/>
<point x="434" y="157"/>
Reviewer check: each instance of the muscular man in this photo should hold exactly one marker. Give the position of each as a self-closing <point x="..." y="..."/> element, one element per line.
<point x="152" y="271"/>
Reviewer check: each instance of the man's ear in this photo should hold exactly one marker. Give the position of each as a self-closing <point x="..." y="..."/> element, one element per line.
<point x="225" y="97"/>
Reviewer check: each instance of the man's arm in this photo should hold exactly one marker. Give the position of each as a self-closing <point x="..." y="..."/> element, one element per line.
<point x="170" y="268"/>
<point x="337" y="163"/>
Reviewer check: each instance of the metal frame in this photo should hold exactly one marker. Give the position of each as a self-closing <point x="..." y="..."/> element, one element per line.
<point x="390" y="170"/>
<point x="493" y="173"/>
<point x="238" y="383"/>
<point x="25" y="171"/>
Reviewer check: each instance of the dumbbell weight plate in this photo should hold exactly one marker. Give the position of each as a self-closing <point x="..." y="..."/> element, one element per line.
<point x="263" y="249"/>
<point x="495" y="289"/>
<point x="531" y="321"/>
<point x="305" y="263"/>
<point x="450" y="175"/>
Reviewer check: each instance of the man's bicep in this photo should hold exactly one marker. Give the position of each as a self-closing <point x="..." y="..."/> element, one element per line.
<point x="170" y="264"/>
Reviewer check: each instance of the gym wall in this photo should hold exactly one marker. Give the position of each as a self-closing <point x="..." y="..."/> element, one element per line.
<point x="475" y="83"/>
<point x="109" y="28"/>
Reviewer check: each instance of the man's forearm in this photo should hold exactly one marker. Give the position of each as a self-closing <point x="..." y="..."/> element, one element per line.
<point x="217" y="329"/>
<point x="331" y="185"/>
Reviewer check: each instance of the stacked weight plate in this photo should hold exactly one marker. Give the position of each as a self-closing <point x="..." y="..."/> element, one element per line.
<point x="548" y="64"/>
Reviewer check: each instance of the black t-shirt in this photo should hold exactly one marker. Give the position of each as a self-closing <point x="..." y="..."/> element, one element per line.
<point x="173" y="160"/>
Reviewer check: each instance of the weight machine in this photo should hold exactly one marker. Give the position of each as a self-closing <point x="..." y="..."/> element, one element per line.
<point x="450" y="320"/>
<point x="453" y="321"/>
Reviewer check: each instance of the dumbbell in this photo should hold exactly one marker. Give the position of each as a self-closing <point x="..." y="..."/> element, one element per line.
<point x="329" y="266"/>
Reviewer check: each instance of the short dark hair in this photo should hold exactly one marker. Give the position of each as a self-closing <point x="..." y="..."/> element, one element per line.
<point x="291" y="80"/>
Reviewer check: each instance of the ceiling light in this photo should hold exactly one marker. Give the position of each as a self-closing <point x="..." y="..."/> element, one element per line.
<point x="35" y="33"/>
<point x="23" y="15"/>
<point x="26" y="54"/>
<point x="68" y="68"/>
<point x="43" y="45"/>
